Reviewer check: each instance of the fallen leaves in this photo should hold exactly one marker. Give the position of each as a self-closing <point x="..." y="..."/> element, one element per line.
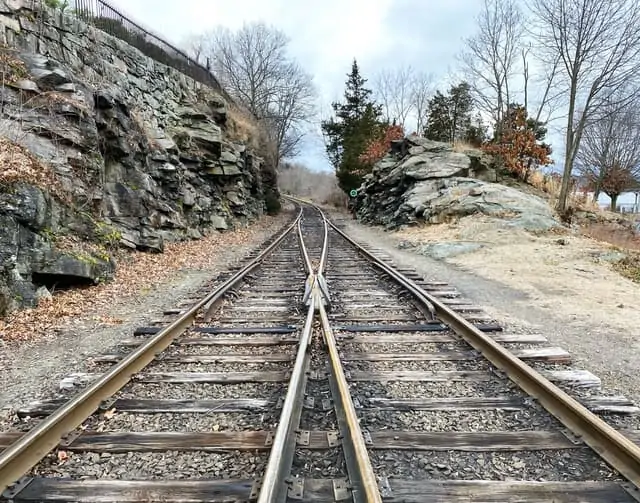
<point x="19" y="165"/>
<point x="137" y="274"/>
<point x="110" y="413"/>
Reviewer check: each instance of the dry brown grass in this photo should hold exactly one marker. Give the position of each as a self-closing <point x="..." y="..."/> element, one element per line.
<point x="463" y="146"/>
<point x="615" y="234"/>
<point x="136" y="274"/>
<point x="243" y="127"/>
<point x="619" y="233"/>
<point x="12" y="69"/>
<point x="549" y="187"/>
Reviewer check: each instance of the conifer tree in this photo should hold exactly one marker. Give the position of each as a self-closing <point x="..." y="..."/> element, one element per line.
<point x="356" y="123"/>
<point x="450" y="117"/>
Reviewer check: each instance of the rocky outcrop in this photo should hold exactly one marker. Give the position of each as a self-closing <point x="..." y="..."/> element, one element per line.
<point x="140" y="154"/>
<point x="425" y="181"/>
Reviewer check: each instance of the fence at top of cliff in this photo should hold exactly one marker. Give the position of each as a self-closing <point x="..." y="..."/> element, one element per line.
<point x="111" y="20"/>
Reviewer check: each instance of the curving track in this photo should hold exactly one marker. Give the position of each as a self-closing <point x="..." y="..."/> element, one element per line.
<point x="319" y="372"/>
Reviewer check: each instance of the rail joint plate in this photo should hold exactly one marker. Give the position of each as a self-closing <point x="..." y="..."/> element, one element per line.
<point x="385" y="488"/>
<point x="296" y="489"/>
<point x="303" y="438"/>
<point x="334" y="438"/>
<point x="572" y="437"/>
<point x="69" y="438"/>
<point x="255" y="490"/>
<point x="14" y="489"/>
<point x="309" y="403"/>
<point x="631" y="490"/>
<point x="327" y="404"/>
<point x="341" y="490"/>
<point x="268" y="442"/>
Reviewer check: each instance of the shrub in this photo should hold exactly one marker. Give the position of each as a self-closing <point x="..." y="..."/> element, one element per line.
<point x="272" y="203"/>
<point x="378" y="148"/>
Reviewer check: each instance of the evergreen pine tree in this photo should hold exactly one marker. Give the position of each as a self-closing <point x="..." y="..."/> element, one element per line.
<point x="438" y="127"/>
<point x="357" y="121"/>
<point x="450" y="117"/>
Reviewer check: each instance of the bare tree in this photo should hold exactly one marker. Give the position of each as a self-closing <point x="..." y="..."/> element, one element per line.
<point x="253" y="66"/>
<point x="320" y="186"/>
<point x="394" y="90"/>
<point x="609" y="153"/>
<point x="422" y="88"/>
<point x="491" y="57"/>
<point x="197" y="46"/>
<point x="599" y="48"/>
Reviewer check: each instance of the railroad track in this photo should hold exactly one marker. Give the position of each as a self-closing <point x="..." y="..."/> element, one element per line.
<point x="319" y="372"/>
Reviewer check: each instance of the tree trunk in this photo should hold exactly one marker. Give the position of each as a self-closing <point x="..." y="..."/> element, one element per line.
<point x="568" y="152"/>
<point x="614" y="201"/>
<point x="566" y="175"/>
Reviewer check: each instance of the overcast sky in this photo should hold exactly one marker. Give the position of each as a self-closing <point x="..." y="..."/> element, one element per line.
<point x="327" y="34"/>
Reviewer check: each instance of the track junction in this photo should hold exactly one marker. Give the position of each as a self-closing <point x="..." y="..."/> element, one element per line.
<point x="319" y="371"/>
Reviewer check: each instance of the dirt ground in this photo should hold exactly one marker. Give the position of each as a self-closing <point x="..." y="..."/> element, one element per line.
<point x="32" y="365"/>
<point x="559" y="285"/>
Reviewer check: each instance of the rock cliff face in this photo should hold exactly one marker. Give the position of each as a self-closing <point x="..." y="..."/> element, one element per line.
<point x="425" y="181"/>
<point x="101" y="144"/>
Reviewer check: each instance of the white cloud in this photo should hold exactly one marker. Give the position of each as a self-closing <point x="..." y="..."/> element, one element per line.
<point x="326" y="35"/>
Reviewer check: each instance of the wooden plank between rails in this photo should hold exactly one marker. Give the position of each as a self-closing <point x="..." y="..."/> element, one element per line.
<point x="401" y="490"/>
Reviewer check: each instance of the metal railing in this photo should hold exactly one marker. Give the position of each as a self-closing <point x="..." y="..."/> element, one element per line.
<point x="105" y="17"/>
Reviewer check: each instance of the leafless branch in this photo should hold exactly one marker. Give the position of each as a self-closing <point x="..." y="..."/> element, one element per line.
<point x="490" y="57"/>
<point x="252" y="63"/>
<point x="598" y="46"/>
<point x="394" y="90"/>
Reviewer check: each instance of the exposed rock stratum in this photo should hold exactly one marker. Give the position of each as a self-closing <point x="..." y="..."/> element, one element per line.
<point x="136" y="154"/>
<point x="424" y="181"/>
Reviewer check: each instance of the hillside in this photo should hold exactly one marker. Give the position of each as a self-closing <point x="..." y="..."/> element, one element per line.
<point x="104" y="148"/>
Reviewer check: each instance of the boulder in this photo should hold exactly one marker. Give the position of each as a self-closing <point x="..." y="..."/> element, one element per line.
<point x="71" y="268"/>
<point x="445" y="250"/>
<point x="219" y="222"/>
<point x="425" y="181"/>
<point x="122" y="201"/>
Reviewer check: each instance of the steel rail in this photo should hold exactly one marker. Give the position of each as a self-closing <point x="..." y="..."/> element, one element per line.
<point x="273" y="487"/>
<point x="364" y="485"/>
<point x="611" y="445"/>
<point x="362" y="477"/>
<point x="17" y="459"/>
